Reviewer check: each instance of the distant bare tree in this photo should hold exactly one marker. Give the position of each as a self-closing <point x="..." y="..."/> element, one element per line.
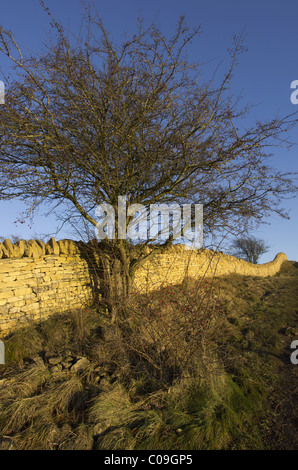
<point x="12" y="238"/>
<point x="249" y="248"/>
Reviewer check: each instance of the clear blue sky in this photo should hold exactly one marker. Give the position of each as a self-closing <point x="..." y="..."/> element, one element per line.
<point x="263" y="76"/>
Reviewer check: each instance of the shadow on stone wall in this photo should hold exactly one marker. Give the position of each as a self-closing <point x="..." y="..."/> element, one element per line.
<point x="89" y="253"/>
<point x="74" y="272"/>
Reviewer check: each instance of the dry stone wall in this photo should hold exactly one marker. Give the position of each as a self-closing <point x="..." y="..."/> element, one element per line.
<point x="38" y="279"/>
<point x="172" y="266"/>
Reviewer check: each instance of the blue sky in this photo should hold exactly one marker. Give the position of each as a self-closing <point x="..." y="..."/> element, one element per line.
<point x="263" y="76"/>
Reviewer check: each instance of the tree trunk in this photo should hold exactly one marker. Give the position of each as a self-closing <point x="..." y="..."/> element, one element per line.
<point x="116" y="281"/>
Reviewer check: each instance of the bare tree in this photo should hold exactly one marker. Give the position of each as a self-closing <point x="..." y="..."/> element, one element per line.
<point x="249" y="248"/>
<point x="12" y="238"/>
<point x="89" y="120"/>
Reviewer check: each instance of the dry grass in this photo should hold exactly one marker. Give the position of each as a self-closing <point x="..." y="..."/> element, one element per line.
<point x="187" y="367"/>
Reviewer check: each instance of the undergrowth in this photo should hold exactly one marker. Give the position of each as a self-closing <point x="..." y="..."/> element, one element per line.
<point x="186" y="367"/>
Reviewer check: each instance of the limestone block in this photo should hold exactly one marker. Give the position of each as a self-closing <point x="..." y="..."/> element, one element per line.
<point x="47" y="295"/>
<point x="14" y="310"/>
<point x="52" y="247"/>
<point x="30" y="307"/>
<point x="9" y="278"/>
<point x="13" y="299"/>
<point x="22" y="291"/>
<point x="68" y="247"/>
<point x="42" y="246"/>
<point x="5" y="294"/>
<point x="4" y="309"/>
<point x="14" y="250"/>
<point x="30" y="301"/>
<point x="20" y="303"/>
<point x="32" y="249"/>
<point x="9" y="247"/>
<point x="38" y="289"/>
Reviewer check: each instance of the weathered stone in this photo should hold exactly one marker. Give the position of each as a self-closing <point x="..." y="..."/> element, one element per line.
<point x="80" y="364"/>
<point x="21" y="246"/>
<point x="68" y="247"/>
<point x="52" y="247"/>
<point x="29" y="308"/>
<point x="38" y="361"/>
<point x="4" y="309"/>
<point x="3" y="252"/>
<point x="32" y="249"/>
<point x="21" y="292"/>
<point x="6" y="294"/>
<point x="10" y="248"/>
<point x="42" y="246"/>
<point x="66" y="365"/>
<point x="68" y="359"/>
<point x="55" y="360"/>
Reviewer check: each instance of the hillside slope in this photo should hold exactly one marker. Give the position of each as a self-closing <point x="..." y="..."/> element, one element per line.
<point x="77" y="382"/>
